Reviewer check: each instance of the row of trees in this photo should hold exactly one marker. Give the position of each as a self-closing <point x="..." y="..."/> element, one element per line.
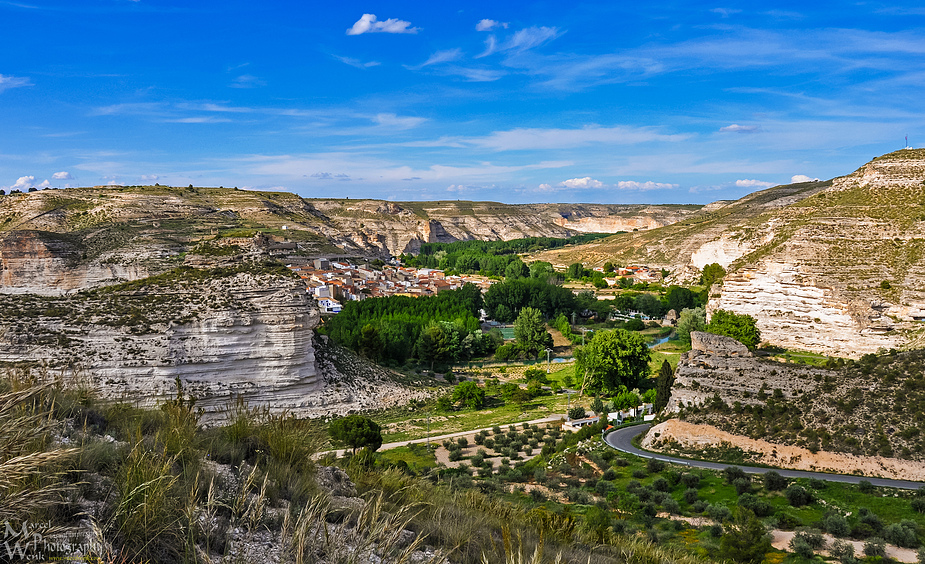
<point x="741" y="327"/>
<point x="433" y="329"/>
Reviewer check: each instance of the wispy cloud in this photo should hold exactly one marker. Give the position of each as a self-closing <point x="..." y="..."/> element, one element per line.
<point x="247" y="81"/>
<point x="746" y="183"/>
<point x="648" y="185"/>
<point x="357" y="62"/>
<point x="368" y="23"/>
<point x="531" y="37"/>
<point x="7" y="82"/>
<point x="396" y="122"/>
<point x="439" y="57"/>
<point x="554" y="138"/>
<point x="64" y="175"/>
<point x="736" y="128"/>
<point x="488" y="25"/>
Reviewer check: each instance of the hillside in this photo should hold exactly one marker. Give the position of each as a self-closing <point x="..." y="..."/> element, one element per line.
<point x="83" y="237"/>
<point x="867" y="408"/>
<point x="833" y="267"/>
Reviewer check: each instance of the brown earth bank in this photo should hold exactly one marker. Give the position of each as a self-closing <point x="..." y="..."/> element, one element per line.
<point x="675" y="435"/>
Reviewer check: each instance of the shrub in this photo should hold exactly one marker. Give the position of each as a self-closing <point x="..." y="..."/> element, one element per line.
<point x="661" y="484"/>
<point x="742" y="485"/>
<point x="455" y="455"/>
<point x="699" y="506"/>
<point x="670" y="505"/>
<point x="835" y="524"/>
<point x="489" y="443"/>
<point x="690" y="496"/>
<point x="872" y="520"/>
<point x="716" y="530"/>
<point x="463" y="442"/>
<point x="478" y="460"/>
<point x="733" y="473"/>
<point x="797" y="496"/>
<point x="655" y="466"/>
<point x="609" y="474"/>
<point x="875" y="547"/>
<point x="639" y="473"/>
<point x="866" y="487"/>
<point x="774" y="482"/>
<point x="719" y="513"/>
<point x="843" y="551"/>
<point x="918" y="505"/>
<point x="902" y="534"/>
<point x="758" y="506"/>
<point x="691" y="480"/>
<point x="802" y="548"/>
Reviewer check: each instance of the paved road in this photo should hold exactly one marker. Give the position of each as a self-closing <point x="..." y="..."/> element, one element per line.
<point x="622" y="440"/>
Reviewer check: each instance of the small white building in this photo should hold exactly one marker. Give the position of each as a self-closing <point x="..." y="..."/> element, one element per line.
<point x="329" y="305"/>
<point x="576" y="424"/>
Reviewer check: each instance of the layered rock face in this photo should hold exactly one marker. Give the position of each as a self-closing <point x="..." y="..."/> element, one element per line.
<point x="834" y="267"/>
<point x="722" y="366"/>
<point x="245" y="335"/>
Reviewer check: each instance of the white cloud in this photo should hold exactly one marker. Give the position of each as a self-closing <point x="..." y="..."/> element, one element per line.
<point x="368" y="23"/>
<point x="531" y="37"/>
<point x="331" y="176"/>
<point x="797" y="178"/>
<point x="746" y="183"/>
<point x="149" y="177"/>
<point x="633" y="185"/>
<point x="488" y="25"/>
<point x="398" y="122"/>
<point x="64" y="175"/>
<point x="7" y="82"/>
<point x="442" y="57"/>
<point x="544" y="188"/>
<point x="736" y="128"/>
<point x="24" y="183"/>
<point x="247" y="81"/>
<point x="586" y="182"/>
<point x="553" y="138"/>
<point x="356" y="62"/>
<point x="491" y="45"/>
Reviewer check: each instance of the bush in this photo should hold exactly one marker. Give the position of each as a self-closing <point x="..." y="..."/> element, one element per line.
<point x="843" y="551"/>
<point x="690" y="496"/>
<point x="455" y="455"/>
<point x="835" y="524"/>
<point x="716" y="530"/>
<point x="655" y="466"/>
<point x="875" y="547"/>
<point x="661" y="484"/>
<point x="691" y="480"/>
<point x="902" y="534"/>
<point x="872" y="520"/>
<point x="733" y="473"/>
<point x="797" y="496"/>
<point x="918" y="505"/>
<point x="719" y="513"/>
<point x="609" y="474"/>
<point x="774" y="482"/>
<point x="757" y="506"/>
<point x="742" y="485"/>
<point x="671" y="506"/>
<point x="787" y="522"/>
<point x="800" y="547"/>
<point x="866" y="487"/>
<point x="639" y="473"/>
<point x="699" y="506"/>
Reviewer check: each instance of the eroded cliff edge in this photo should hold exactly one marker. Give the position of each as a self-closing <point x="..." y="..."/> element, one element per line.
<point x="245" y="331"/>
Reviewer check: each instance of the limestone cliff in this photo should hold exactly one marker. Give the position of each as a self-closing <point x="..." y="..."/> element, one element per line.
<point x="835" y="267"/>
<point x="226" y="333"/>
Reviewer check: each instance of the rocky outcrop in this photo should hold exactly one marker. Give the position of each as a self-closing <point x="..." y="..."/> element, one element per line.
<point x="718" y="366"/>
<point x="719" y="345"/>
<point x="247" y="336"/>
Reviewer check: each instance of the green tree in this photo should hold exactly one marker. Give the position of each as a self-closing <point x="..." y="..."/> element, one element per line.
<point x="530" y="332"/>
<point x="691" y="320"/>
<point x="746" y="539"/>
<point x="679" y="298"/>
<point x="356" y="432"/>
<point x="470" y="394"/>
<point x="711" y="274"/>
<point x="516" y="269"/>
<point x="663" y="386"/>
<point x="608" y="267"/>
<point x="741" y="327"/>
<point x="438" y="343"/>
<point x="370" y="344"/>
<point x="541" y="270"/>
<point x="613" y="359"/>
<point x="576" y="270"/>
<point x="576" y="412"/>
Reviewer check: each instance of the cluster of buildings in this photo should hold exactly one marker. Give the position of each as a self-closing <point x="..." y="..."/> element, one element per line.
<point x="334" y="282"/>
<point x="633" y="273"/>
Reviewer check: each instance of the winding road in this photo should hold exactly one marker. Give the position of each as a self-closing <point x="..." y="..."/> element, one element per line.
<point x="622" y="440"/>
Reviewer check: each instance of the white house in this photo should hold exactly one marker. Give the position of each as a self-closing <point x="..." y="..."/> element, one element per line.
<point x="329" y="305"/>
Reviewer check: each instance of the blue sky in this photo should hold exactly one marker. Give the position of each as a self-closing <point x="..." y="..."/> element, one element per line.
<point x="613" y="102"/>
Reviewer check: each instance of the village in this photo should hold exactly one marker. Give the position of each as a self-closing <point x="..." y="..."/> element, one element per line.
<point x="333" y="282"/>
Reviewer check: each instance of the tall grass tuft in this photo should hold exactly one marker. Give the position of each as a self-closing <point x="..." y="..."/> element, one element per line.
<point x="29" y="469"/>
